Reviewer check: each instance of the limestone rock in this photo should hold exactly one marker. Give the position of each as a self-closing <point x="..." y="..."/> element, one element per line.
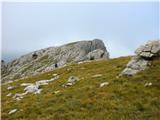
<point x="104" y="84"/>
<point x="97" y="75"/>
<point x="96" y="54"/>
<point x="71" y="81"/>
<point x="32" y="89"/>
<point x="54" y="57"/>
<point x="9" y="94"/>
<point x="150" y="50"/>
<point x="12" y="111"/>
<point x="148" y="84"/>
<point x="144" y="54"/>
<point x="10" y="88"/>
<point x="26" y="84"/>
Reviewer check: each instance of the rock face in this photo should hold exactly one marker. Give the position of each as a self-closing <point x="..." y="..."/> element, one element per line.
<point x="144" y="54"/>
<point x="53" y="57"/>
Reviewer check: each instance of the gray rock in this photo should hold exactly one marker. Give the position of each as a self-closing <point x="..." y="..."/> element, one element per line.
<point x="32" y="89"/>
<point x="144" y="54"/>
<point x="50" y="58"/>
<point x="71" y="81"/>
<point x="149" y="50"/>
<point x="97" y="54"/>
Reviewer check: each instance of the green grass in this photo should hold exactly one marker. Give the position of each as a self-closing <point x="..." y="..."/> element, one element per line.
<point x="125" y="98"/>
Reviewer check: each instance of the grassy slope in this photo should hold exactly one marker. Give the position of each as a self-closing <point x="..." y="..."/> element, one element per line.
<point x="125" y="98"/>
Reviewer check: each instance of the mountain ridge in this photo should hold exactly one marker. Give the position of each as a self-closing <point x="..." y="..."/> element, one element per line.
<point x="52" y="57"/>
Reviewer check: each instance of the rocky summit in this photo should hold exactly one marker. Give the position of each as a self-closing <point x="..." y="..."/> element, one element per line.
<point x="53" y="57"/>
<point x="144" y="54"/>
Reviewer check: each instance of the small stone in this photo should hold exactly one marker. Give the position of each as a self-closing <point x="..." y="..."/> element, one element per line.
<point x="69" y="84"/>
<point x="73" y="79"/>
<point x="55" y="92"/>
<point x="97" y="75"/>
<point x="104" y="84"/>
<point x="26" y="84"/>
<point x="10" y="88"/>
<point x="12" y="111"/>
<point x="54" y="75"/>
<point x="9" y="94"/>
<point x="148" y="84"/>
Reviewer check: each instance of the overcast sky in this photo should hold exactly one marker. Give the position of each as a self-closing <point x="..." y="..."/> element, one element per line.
<point x="122" y="26"/>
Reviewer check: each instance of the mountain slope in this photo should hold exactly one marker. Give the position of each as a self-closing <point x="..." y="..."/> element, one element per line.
<point x="47" y="59"/>
<point x="124" y="98"/>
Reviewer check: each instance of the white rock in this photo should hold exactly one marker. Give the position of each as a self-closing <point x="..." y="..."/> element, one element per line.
<point x="26" y="84"/>
<point x="42" y="82"/>
<point x="80" y="62"/>
<point x="69" y="84"/>
<point x="10" y="88"/>
<point x="31" y="88"/>
<point x="54" y="75"/>
<point x="55" y="92"/>
<point x="12" y="111"/>
<point x="38" y="91"/>
<point x="45" y="82"/>
<point x="97" y="75"/>
<point x="9" y="94"/>
<point x="148" y="84"/>
<point x="104" y="84"/>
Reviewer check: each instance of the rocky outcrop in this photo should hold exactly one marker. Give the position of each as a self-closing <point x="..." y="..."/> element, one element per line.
<point x="144" y="54"/>
<point x="54" y="57"/>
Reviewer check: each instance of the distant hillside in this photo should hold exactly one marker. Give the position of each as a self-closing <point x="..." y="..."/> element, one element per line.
<point x="118" y="98"/>
<point x="50" y="58"/>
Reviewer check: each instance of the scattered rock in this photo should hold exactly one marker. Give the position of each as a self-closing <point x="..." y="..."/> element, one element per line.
<point x="12" y="111"/>
<point x="144" y="54"/>
<point x="26" y="84"/>
<point x="54" y="75"/>
<point x="55" y="92"/>
<point x="9" y="94"/>
<point x="32" y="89"/>
<point x="10" y="88"/>
<point x="19" y="96"/>
<point x="71" y="81"/>
<point x="148" y="84"/>
<point x="104" y="84"/>
<point x="97" y="75"/>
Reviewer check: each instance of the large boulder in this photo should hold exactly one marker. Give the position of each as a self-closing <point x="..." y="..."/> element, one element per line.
<point x="149" y="50"/>
<point x="97" y="54"/>
<point x="144" y="54"/>
<point x="54" y="57"/>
